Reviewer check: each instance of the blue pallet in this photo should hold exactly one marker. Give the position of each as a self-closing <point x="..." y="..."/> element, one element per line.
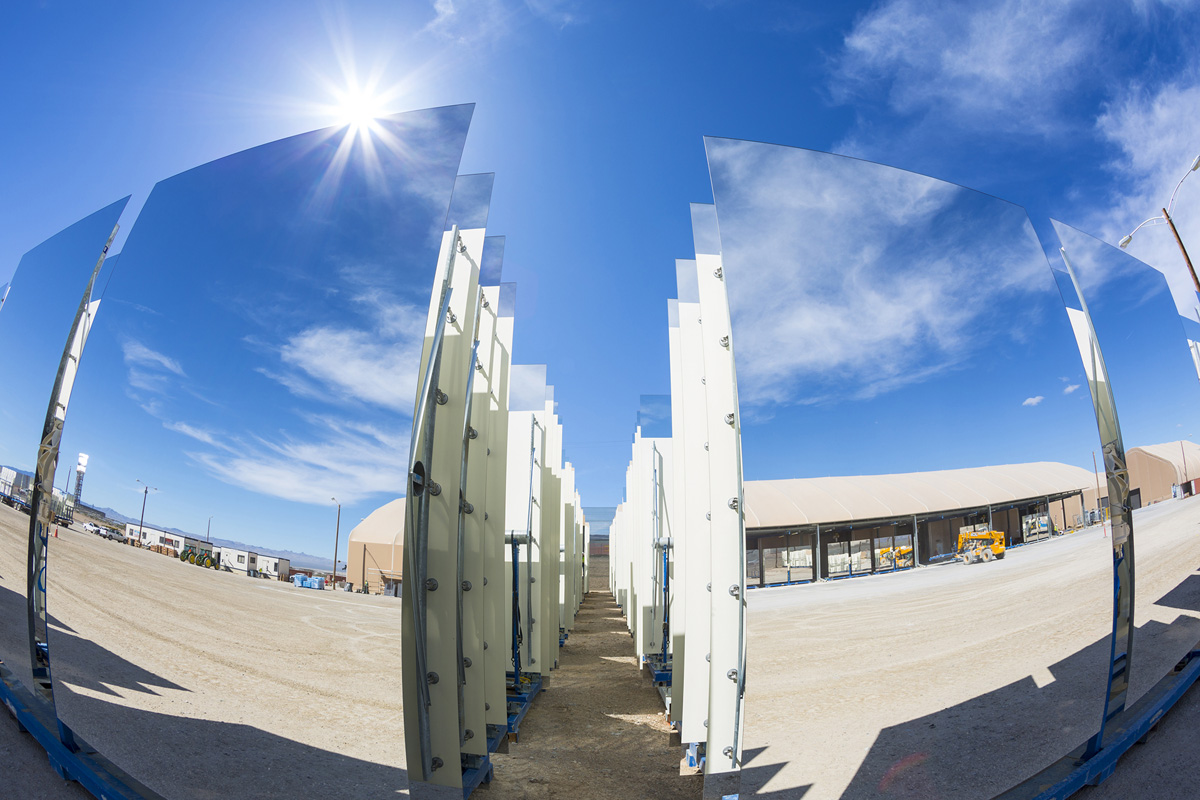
<point x="660" y="670"/>
<point x="78" y="762"/>
<point x="519" y="701"/>
<point x="473" y="776"/>
<point x="1076" y="770"/>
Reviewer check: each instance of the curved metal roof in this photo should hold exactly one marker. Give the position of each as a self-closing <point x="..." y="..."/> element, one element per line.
<point x="384" y="525"/>
<point x="1173" y="454"/>
<point x="812" y="501"/>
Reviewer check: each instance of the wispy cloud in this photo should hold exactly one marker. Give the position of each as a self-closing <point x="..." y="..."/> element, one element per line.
<point x="199" y="434"/>
<point x="148" y="369"/>
<point x="1004" y="63"/>
<point x="375" y="361"/>
<point x="1032" y="401"/>
<point x="877" y="278"/>
<point x="476" y="22"/>
<point x="348" y="460"/>
<point x="1070" y="389"/>
<point x="1155" y="137"/>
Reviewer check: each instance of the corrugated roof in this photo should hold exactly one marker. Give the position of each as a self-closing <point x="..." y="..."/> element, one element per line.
<point x="812" y="501"/>
<point x="384" y="525"/>
<point x="1172" y="453"/>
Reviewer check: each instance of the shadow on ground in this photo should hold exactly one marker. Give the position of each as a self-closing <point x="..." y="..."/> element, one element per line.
<point x="982" y="747"/>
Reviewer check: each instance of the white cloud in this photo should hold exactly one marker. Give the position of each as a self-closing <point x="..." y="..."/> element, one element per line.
<point x="849" y="279"/>
<point x="199" y="434"/>
<point x="1071" y="388"/>
<point x="1033" y="401"/>
<point x="148" y="369"/>
<point x="475" y="22"/>
<point x="347" y="460"/>
<point x="136" y="353"/>
<point x="1005" y="63"/>
<point x="376" y="362"/>
<point x="1155" y="134"/>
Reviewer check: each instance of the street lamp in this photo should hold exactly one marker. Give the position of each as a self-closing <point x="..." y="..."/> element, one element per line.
<point x="336" y="533"/>
<point x="208" y="532"/>
<point x="145" y="491"/>
<point x="1166" y="217"/>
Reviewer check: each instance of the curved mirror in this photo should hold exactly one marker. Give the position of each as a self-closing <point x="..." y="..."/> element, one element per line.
<point x="44" y="298"/>
<point x="1148" y="346"/>
<point x="917" y="456"/>
<point x="246" y="405"/>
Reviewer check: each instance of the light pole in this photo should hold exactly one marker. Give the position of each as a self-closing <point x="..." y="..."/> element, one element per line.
<point x="145" y="491"/>
<point x="1166" y="217"/>
<point x="336" y="532"/>
<point x="208" y="532"/>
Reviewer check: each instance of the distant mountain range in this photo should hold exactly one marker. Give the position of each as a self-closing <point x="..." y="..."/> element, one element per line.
<point x="305" y="560"/>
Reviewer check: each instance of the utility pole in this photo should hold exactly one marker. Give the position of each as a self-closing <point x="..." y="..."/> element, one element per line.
<point x="145" y="491"/>
<point x="336" y="534"/>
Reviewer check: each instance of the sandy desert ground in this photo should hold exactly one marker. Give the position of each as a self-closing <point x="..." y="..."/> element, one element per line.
<point x="946" y="682"/>
<point x="205" y="684"/>
<point x="957" y="681"/>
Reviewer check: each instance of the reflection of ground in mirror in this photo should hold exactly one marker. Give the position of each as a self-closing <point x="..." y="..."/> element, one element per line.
<point x="955" y="681"/>
<point x="598" y="731"/>
<point x="258" y="688"/>
<point x="14" y="641"/>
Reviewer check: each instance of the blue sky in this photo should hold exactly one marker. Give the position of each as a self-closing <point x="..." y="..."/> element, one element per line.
<point x="592" y="118"/>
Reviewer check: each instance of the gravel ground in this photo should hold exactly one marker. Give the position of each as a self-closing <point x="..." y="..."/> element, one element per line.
<point x="598" y="731"/>
<point x="956" y="681"/>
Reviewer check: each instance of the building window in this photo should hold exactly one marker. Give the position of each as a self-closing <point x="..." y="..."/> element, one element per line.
<point x="162" y="540"/>
<point x="241" y="559"/>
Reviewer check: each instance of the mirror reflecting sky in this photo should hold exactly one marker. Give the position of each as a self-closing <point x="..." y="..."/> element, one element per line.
<point x="864" y="297"/>
<point x="887" y="322"/>
<point x="1157" y="393"/>
<point x="263" y="333"/>
<point x="255" y="361"/>
<point x="35" y="322"/>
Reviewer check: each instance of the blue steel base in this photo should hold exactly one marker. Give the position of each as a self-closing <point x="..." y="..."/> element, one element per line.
<point x="476" y="771"/>
<point x="520" y="698"/>
<point x="93" y="771"/>
<point x="695" y="755"/>
<point x="562" y="637"/>
<point x="660" y="670"/>
<point x="1072" y="772"/>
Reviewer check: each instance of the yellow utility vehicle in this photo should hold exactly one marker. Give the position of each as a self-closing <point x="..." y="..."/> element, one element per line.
<point x="977" y="543"/>
<point x="898" y="557"/>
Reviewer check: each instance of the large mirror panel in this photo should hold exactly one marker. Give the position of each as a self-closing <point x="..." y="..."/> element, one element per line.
<point x="246" y="405"/>
<point x="44" y="298"/>
<point x="918" y="458"/>
<point x="1148" y="354"/>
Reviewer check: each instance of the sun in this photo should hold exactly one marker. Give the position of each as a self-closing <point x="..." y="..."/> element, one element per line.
<point x="358" y="108"/>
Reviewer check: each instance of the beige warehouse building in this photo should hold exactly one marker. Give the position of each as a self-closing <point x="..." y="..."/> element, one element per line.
<point x="838" y="527"/>
<point x="375" y="552"/>
<point x="1156" y="469"/>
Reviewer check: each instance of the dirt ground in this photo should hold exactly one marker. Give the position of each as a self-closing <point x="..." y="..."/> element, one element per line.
<point x="598" y="731"/>
<point x="203" y="684"/>
<point x="957" y="681"/>
<point x="946" y="682"/>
